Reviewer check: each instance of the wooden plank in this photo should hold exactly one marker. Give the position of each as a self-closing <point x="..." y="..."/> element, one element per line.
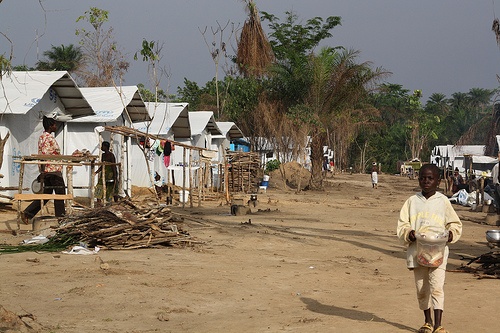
<point x="32" y="196"/>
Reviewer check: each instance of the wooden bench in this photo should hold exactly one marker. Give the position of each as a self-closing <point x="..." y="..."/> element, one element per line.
<point x="42" y="196"/>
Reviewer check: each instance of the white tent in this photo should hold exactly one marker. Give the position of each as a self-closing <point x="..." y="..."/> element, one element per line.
<point x="53" y="93"/>
<point x="169" y="121"/>
<point x="221" y="142"/>
<point x="24" y="98"/>
<point x="114" y="106"/>
<point x="203" y="127"/>
<point x="450" y="156"/>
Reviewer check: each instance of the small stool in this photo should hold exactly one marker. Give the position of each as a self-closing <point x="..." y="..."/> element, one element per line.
<point x="262" y="189"/>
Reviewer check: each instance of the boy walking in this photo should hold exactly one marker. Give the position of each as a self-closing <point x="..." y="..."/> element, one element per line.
<point x="424" y="210"/>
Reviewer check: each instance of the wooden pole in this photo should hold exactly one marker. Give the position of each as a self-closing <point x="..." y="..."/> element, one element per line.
<point x="123" y="160"/>
<point x="92" y="183"/>
<point x="20" y="190"/>
<point x="69" y="177"/>
<point x="200" y="186"/>
<point x="190" y="178"/>
<point x="226" y="180"/>
<point x="103" y="174"/>
<point x="482" y="191"/>
<point x="183" y="177"/>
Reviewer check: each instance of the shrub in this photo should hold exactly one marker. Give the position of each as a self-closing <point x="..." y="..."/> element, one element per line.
<point x="272" y="165"/>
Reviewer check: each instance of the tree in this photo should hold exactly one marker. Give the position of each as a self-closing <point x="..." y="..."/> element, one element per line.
<point x="437" y="104"/>
<point x="103" y="62"/>
<point x="330" y="89"/>
<point x="477" y="117"/>
<point x="61" y="58"/>
<point x="218" y="49"/>
<point x="389" y="142"/>
<point x="421" y="125"/>
<point x="151" y="52"/>
<point x="292" y="45"/>
<point x="149" y="96"/>
<point x="479" y="98"/>
<point x="341" y="96"/>
<point x="190" y="93"/>
<point x="6" y="61"/>
<point x="291" y="78"/>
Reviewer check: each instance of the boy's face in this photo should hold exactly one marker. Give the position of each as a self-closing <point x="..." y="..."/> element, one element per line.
<point x="428" y="181"/>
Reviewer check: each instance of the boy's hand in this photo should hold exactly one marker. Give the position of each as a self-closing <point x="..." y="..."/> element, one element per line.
<point x="450" y="237"/>
<point x="411" y="236"/>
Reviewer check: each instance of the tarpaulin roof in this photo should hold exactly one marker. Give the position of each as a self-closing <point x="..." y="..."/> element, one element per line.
<point x="201" y="120"/>
<point x="484" y="159"/>
<point x="167" y="117"/>
<point x="230" y="129"/>
<point x="21" y="91"/>
<point x="452" y="151"/>
<point x="109" y="103"/>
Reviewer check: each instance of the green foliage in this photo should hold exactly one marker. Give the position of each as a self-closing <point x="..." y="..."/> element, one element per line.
<point x="290" y="39"/>
<point x="334" y="96"/>
<point x="4" y="65"/>
<point x="293" y="43"/>
<point x="61" y="58"/>
<point x="95" y="16"/>
<point x="240" y="96"/>
<point x="271" y="166"/>
<point x="22" y="68"/>
<point x="57" y="243"/>
<point x="148" y="51"/>
<point x="149" y="96"/>
<point x="190" y="93"/>
<point x="103" y="62"/>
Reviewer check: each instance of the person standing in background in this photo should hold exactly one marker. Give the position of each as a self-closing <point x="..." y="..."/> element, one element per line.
<point x="110" y="175"/>
<point x="374" y="175"/>
<point x="496" y="184"/>
<point x="50" y="174"/>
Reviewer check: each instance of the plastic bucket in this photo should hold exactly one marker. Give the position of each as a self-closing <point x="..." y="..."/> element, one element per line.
<point x="264" y="183"/>
<point x="183" y="196"/>
<point x="265" y="178"/>
<point x="430" y="248"/>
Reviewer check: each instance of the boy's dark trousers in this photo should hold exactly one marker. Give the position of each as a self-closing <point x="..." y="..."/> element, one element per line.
<point x="52" y="182"/>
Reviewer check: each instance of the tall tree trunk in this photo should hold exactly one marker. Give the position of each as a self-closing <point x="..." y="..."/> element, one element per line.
<point x="317" y="143"/>
<point x="3" y="141"/>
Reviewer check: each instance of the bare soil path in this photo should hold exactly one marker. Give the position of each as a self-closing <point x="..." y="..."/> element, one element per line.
<point x="309" y="262"/>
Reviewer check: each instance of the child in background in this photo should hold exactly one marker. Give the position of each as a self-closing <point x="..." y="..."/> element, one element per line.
<point x="374" y="175"/>
<point x="428" y="209"/>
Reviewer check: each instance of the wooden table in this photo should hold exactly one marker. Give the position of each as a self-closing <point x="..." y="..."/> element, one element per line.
<point x="69" y="161"/>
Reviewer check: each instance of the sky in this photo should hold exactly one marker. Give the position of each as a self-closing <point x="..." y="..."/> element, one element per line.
<point x="443" y="46"/>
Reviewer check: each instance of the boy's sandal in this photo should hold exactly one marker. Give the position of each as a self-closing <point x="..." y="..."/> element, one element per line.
<point x="440" y="329"/>
<point x="426" y="328"/>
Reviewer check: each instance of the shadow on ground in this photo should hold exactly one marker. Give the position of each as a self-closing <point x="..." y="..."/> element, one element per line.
<point x="352" y="314"/>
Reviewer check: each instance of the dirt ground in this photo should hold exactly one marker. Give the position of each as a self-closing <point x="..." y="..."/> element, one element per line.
<point x="310" y="262"/>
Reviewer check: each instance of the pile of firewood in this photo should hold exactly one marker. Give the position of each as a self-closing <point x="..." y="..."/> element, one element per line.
<point x="243" y="172"/>
<point x="485" y="266"/>
<point x="124" y="225"/>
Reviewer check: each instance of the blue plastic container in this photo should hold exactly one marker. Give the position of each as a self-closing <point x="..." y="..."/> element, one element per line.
<point x="264" y="183"/>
